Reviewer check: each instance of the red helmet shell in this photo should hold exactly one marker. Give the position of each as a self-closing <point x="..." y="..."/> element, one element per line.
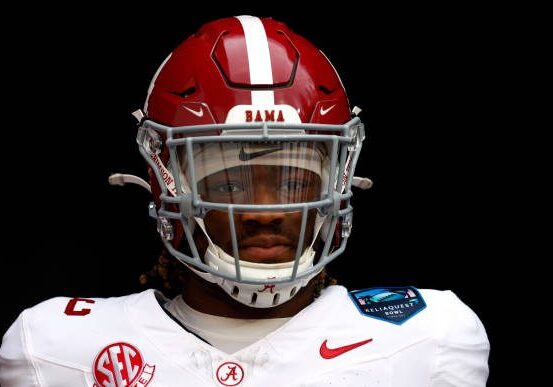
<point x="209" y="73"/>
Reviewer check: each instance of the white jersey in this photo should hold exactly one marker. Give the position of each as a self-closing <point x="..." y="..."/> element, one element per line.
<point x="132" y="341"/>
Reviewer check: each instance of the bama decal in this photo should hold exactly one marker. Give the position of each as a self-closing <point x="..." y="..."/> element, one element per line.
<point x="121" y="364"/>
<point x="262" y="113"/>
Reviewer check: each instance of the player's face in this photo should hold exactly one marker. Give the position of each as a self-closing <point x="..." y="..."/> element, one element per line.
<point x="269" y="236"/>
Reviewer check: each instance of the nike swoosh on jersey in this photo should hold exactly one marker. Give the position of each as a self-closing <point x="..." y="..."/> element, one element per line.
<point x="324" y="111"/>
<point x="243" y="156"/>
<point x="197" y="113"/>
<point x="330" y="353"/>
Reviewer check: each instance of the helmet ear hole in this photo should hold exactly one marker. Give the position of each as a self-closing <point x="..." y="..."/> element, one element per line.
<point x="188" y="92"/>
<point x="325" y="89"/>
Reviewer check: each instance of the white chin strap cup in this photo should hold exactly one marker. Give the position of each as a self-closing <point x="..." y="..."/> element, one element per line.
<point x="257" y="296"/>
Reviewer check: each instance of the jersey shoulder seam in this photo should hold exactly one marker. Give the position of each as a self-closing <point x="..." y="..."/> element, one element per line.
<point x="28" y="347"/>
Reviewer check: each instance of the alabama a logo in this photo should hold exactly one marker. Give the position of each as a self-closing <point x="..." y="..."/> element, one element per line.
<point x="121" y="364"/>
<point x="229" y="374"/>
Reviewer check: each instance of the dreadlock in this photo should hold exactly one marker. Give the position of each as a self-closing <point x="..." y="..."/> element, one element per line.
<point x="168" y="275"/>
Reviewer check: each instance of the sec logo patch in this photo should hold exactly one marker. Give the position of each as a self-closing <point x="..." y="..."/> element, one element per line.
<point x="121" y="364"/>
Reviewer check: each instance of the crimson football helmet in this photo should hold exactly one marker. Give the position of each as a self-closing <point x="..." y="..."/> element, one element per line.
<point x="241" y="98"/>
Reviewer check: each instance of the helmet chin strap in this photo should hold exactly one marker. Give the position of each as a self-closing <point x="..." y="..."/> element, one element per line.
<point x="257" y="295"/>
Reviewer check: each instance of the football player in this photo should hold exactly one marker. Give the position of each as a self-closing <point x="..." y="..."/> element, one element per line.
<point x="251" y="147"/>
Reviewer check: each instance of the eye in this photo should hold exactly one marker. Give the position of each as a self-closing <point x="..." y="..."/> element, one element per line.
<point x="230" y="187"/>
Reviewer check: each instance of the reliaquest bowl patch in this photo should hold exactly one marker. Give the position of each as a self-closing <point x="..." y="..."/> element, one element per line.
<point x="391" y="304"/>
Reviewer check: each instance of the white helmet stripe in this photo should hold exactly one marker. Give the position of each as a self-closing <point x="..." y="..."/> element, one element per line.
<point x="259" y="59"/>
<point x="153" y="82"/>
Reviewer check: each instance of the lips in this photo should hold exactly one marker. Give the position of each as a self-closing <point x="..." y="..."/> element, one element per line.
<point x="267" y="249"/>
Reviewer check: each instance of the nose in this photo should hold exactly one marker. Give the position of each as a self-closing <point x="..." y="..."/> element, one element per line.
<point x="265" y="218"/>
<point x="264" y="192"/>
<point x="263" y="195"/>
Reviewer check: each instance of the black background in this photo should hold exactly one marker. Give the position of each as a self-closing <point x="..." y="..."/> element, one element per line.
<point x="428" y="80"/>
